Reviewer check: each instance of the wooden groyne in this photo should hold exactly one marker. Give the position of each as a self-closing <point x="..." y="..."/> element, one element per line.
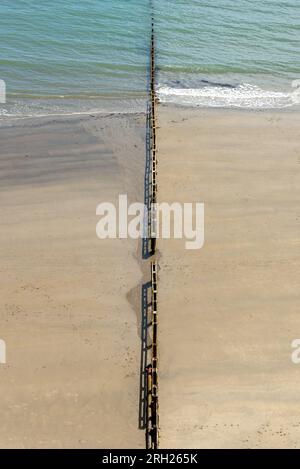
<point x="152" y="118"/>
<point x="152" y="436"/>
<point x="152" y="427"/>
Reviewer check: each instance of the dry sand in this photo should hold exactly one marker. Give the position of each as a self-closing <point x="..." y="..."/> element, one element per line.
<point x="70" y="303"/>
<point x="228" y="312"/>
<point x="73" y="347"/>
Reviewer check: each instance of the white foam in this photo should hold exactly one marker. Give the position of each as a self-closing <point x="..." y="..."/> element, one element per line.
<point x="243" y="96"/>
<point x="28" y="109"/>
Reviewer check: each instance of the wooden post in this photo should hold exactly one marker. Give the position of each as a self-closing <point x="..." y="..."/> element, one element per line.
<point x="154" y="398"/>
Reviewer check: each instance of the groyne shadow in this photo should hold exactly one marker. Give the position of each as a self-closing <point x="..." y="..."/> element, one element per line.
<point x="145" y="347"/>
<point x="147" y="243"/>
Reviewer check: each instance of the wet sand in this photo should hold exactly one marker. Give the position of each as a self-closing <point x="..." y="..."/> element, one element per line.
<point x="229" y="312"/>
<point x="73" y="346"/>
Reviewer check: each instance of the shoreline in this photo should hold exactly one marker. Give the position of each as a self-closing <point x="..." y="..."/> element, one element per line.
<point x="132" y="106"/>
<point x="182" y="107"/>
<point x="43" y="109"/>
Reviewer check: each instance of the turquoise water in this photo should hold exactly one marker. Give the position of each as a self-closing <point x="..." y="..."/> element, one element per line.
<point x="242" y="53"/>
<point x="67" y="55"/>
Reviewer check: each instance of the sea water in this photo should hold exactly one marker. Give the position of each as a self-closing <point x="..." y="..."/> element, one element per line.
<point x="69" y="56"/>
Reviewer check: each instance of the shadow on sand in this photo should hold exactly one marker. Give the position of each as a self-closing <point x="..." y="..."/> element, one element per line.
<point x="145" y="347"/>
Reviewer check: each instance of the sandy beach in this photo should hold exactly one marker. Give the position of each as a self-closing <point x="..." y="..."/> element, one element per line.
<point x="229" y="312"/>
<point x="71" y="304"/>
<point x="68" y="315"/>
